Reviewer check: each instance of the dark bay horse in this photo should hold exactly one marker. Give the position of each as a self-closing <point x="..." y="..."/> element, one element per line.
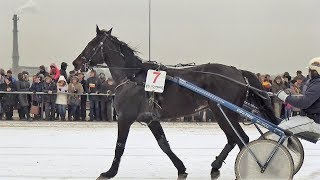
<point x="132" y="103"/>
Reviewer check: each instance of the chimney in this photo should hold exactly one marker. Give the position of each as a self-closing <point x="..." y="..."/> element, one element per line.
<point x="15" y="50"/>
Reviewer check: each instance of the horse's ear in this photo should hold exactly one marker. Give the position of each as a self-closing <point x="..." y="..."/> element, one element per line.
<point x="98" y="30"/>
<point x="109" y="32"/>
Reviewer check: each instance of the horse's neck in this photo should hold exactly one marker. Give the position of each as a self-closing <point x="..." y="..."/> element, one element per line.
<point x="131" y="61"/>
<point x="118" y="75"/>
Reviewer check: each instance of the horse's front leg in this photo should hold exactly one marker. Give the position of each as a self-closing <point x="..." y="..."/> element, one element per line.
<point x="158" y="133"/>
<point x="123" y="131"/>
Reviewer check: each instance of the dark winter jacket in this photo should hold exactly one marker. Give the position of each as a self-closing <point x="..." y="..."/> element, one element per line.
<point x="23" y="86"/>
<point x="309" y="103"/>
<point x="49" y="87"/>
<point x="63" y="69"/>
<point x="106" y="89"/>
<point x="9" y="99"/>
<point x="93" y="86"/>
<point x="37" y="87"/>
<point x="84" y="84"/>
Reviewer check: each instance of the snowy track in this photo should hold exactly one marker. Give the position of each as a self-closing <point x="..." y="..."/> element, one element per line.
<point x="64" y="150"/>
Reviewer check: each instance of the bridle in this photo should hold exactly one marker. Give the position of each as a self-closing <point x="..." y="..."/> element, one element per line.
<point x="99" y="48"/>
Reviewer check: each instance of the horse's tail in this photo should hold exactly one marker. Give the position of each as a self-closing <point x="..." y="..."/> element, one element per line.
<point x="261" y="100"/>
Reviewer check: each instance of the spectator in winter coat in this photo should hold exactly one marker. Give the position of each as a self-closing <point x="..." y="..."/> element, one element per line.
<point x="71" y="74"/>
<point x="300" y="81"/>
<point x="54" y="72"/>
<point x="42" y="70"/>
<point x="268" y="78"/>
<point x="62" y="97"/>
<point x="9" y="100"/>
<point x="74" y="99"/>
<point x="295" y="90"/>
<point x="49" y="87"/>
<point x="309" y="103"/>
<point x="37" y="86"/>
<point x="300" y="76"/>
<point x="276" y="87"/>
<point x="9" y="75"/>
<point x="2" y="78"/>
<point x="286" y="79"/>
<point x="82" y="109"/>
<point x="93" y="87"/>
<point x="23" y="85"/>
<point x="63" y="69"/>
<point x="107" y="87"/>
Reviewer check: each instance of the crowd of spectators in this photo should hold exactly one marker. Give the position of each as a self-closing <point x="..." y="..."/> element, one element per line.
<point x="293" y="85"/>
<point x="55" y="95"/>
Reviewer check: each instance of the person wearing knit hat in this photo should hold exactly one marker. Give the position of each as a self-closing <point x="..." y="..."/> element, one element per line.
<point x="309" y="103"/>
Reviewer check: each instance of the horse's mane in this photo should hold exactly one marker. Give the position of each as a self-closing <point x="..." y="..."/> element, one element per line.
<point x="127" y="51"/>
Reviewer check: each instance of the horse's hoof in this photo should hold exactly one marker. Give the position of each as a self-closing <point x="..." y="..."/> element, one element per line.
<point x="182" y="176"/>
<point x="215" y="174"/>
<point x="102" y="178"/>
<point x="106" y="175"/>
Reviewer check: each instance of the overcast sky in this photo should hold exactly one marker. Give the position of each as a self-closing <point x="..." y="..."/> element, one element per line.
<point x="268" y="36"/>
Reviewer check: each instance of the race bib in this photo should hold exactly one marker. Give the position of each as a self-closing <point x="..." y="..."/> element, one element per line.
<point x="155" y="81"/>
<point x="92" y="85"/>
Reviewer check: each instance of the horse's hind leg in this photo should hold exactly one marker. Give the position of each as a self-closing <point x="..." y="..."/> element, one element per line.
<point x="231" y="137"/>
<point x="123" y="131"/>
<point x="158" y="133"/>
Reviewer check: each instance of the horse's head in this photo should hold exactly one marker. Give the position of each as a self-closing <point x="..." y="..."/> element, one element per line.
<point x="101" y="49"/>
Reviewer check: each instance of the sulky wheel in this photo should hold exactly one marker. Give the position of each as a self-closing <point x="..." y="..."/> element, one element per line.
<point x="293" y="145"/>
<point x="280" y="166"/>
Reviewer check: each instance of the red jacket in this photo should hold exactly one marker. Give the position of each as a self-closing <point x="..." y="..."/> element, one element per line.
<point x="55" y="71"/>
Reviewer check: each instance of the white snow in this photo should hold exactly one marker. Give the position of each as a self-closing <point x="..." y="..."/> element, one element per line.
<point x="64" y="150"/>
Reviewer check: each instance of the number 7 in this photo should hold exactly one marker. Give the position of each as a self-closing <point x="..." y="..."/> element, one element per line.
<point x="157" y="73"/>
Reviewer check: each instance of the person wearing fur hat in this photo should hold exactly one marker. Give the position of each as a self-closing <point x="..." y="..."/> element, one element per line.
<point x="74" y="99"/>
<point x="9" y="100"/>
<point x="62" y="97"/>
<point x="309" y="103"/>
<point x="49" y="87"/>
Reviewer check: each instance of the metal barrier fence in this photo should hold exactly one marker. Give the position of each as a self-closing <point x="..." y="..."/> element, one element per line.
<point x="202" y="116"/>
<point x="41" y="104"/>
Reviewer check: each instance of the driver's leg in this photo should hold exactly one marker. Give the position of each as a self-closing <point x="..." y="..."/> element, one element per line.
<point x="299" y="124"/>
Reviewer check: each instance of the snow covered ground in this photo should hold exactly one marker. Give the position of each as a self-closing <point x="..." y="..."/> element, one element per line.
<point x="67" y="150"/>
